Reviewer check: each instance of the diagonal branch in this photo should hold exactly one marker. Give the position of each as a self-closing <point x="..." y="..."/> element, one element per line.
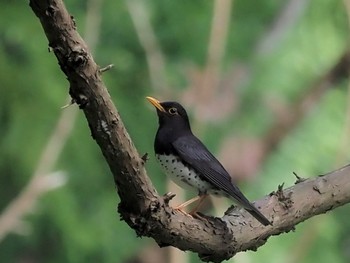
<point x="147" y="213"/>
<point x="148" y="40"/>
<point x="89" y="92"/>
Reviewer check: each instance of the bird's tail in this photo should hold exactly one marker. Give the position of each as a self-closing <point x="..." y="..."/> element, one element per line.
<point x="239" y="197"/>
<point x="258" y="215"/>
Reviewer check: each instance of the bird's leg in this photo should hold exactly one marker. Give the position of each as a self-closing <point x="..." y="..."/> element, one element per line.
<point x="193" y="212"/>
<point x="201" y="200"/>
<point x="194" y="199"/>
<point x="180" y="207"/>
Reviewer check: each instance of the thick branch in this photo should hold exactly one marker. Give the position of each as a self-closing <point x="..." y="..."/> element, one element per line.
<point x="213" y="239"/>
<point x="89" y="92"/>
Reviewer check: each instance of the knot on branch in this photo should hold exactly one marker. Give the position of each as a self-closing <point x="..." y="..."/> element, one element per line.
<point x="78" y="57"/>
<point x="80" y="99"/>
<point x="50" y="11"/>
<point x="143" y="222"/>
<point x="285" y="200"/>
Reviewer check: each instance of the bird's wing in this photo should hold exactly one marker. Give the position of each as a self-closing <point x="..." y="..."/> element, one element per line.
<point x="192" y="151"/>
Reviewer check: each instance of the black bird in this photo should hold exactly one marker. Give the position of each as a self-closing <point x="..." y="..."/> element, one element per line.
<point x="189" y="163"/>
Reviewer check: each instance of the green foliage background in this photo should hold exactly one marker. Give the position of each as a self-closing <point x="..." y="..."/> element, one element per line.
<point x="78" y="222"/>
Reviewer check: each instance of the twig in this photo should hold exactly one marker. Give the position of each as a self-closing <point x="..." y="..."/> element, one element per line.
<point x="287" y="17"/>
<point x="216" y="50"/>
<point x="12" y="216"/>
<point x="300" y="108"/>
<point x="155" y="59"/>
<point x="104" y="69"/>
<point x="43" y="179"/>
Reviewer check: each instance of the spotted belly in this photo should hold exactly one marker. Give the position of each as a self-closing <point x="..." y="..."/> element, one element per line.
<point x="183" y="176"/>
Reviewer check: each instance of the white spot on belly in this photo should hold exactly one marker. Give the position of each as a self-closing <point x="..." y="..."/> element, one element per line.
<point x="182" y="175"/>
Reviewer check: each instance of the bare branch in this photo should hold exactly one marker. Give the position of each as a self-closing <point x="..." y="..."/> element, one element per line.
<point x="287" y="17"/>
<point x="291" y="117"/>
<point x="44" y="179"/>
<point x="207" y="93"/>
<point x="106" y="68"/>
<point x="214" y="239"/>
<point x="148" y="40"/>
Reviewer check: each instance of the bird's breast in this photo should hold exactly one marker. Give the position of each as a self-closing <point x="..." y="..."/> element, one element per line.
<point x="182" y="175"/>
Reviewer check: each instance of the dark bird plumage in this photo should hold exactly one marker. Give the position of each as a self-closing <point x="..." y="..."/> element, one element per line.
<point x="188" y="162"/>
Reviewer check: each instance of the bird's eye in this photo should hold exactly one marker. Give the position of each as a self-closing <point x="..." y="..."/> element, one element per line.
<point x="172" y="111"/>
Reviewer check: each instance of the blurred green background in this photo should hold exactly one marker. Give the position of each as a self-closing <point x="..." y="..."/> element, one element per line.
<point x="265" y="84"/>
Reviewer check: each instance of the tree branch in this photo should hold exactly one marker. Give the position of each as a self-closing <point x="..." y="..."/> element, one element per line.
<point x="147" y="213"/>
<point x="89" y="92"/>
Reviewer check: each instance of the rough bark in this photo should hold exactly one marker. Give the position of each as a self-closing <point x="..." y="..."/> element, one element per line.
<point x="214" y="239"/>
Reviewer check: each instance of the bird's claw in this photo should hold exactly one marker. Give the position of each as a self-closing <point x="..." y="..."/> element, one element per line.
<point x="192" y="214"/>
<point x="183" y="212"/>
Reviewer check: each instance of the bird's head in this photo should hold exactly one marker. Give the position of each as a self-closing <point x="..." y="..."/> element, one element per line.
<point x="171" y="114"/>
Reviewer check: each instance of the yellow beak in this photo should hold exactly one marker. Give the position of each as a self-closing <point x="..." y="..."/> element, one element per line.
<point x="155" y="103"/>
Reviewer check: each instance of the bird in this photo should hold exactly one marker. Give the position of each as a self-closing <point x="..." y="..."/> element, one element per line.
<point x="188" y="162"/>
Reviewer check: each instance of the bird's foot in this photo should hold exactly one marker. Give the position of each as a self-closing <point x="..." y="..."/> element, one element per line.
<point x="179" y="209"/>
<point x="197" y="215"/>
<point x="192" y="214"/>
